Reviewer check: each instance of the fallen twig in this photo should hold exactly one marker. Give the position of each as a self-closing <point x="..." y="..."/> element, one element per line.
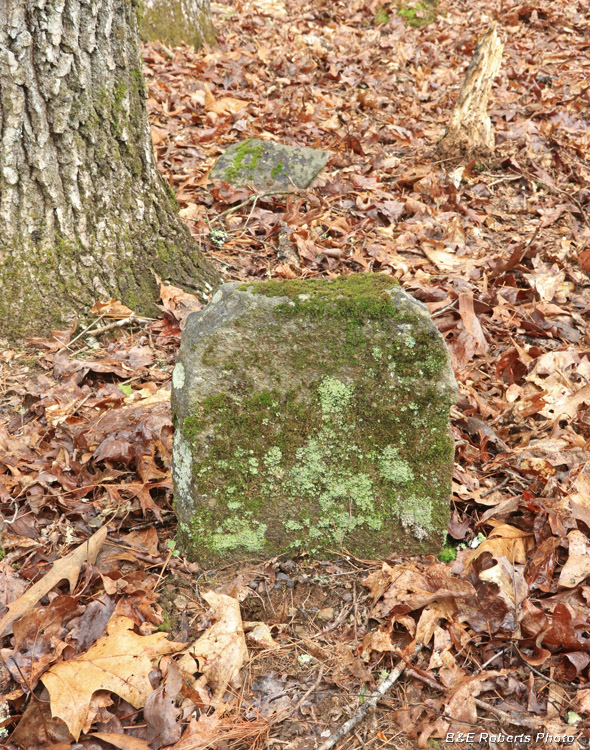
<point x="133" y="318"/>
<point x="314" y="687"/>
<point x="370" y="703"/>
<point x="255" y="197"/>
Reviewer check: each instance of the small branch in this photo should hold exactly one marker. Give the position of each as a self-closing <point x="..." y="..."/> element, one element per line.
<point x="370" y="703"/>
<point x="312" y="689"/>
<point x="119" y="324"/>
<point x="255" y="198"/>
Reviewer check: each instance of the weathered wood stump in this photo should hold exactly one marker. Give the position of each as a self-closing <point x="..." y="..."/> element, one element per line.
<point x="470" y="132"/>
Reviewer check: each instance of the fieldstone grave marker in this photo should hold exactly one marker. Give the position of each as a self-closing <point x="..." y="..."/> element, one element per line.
<point x="269" y="166"/>
<point x="312" y="416"/>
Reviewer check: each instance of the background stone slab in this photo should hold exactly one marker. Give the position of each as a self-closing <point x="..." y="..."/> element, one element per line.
<point x="267" y="165"/>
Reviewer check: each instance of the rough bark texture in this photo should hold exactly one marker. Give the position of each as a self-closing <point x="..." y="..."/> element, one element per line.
<point x="176" y="21"/>
<point x="470" y="132"/>
<point x="83" y="210"/>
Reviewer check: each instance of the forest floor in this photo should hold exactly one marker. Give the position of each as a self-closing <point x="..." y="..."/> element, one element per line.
<point x="496" y="636"/>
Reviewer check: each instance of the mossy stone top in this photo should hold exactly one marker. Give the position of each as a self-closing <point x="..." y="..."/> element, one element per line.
<point x="312" y="416"/>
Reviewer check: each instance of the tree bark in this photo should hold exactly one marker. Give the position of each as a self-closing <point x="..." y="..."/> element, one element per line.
<point x="470" y="131"/>
<point x="83" y="210"/>
<point x="176" y="21"/>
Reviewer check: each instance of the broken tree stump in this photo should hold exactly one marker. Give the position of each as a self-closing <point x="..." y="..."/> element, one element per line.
<point x="470" y="132"/>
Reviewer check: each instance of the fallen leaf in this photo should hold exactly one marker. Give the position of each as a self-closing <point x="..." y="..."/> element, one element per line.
<point x="577" y="566"/>
<point x="122" y="741"/>
<point x="221" y="650"/>
<point x="119" y="662"/>
<point x="68" y="567"/>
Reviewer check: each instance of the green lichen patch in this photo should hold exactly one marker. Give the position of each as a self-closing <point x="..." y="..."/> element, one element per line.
<point x="266" y="165"/>
<point x="303" y="431"/>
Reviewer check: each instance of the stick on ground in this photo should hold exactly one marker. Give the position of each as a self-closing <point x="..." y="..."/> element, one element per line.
<point x="370" y="703"/>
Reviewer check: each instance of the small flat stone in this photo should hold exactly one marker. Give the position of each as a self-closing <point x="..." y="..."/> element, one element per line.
<point x="267" y="165"/>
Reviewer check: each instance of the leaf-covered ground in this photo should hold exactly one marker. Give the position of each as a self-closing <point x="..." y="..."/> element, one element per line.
<point x="496" y="640"/>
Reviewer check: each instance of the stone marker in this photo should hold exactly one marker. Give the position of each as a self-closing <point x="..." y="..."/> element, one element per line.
<point x="312" y="416"/>
<point x="269" y="166"/>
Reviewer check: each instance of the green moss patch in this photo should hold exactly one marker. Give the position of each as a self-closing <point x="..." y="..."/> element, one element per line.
<point x="420" y="13"/>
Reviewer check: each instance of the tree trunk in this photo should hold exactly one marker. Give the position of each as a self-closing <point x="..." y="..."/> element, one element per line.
<point x="470" y="131"/>
<point x="176" y="21"/>
<point x="83" y="210"/>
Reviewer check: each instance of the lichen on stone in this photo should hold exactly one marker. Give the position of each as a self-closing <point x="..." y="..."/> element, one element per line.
<point x="238" y="533"/>
<point x="178" y="375"/>
<point x="335" y="397"/>
<point x="393" y="468"/>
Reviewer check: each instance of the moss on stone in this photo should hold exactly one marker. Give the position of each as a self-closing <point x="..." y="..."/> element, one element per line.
<point x="239" y="168"/>
<point x="277" y="169"/>
<point x="357" y="297"/>
<point x="420" y="14"/>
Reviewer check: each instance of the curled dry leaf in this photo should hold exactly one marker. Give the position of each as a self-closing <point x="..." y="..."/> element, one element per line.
<point x="577" y="567"/>
<point x="258" y="634"/>
<point x="119" y="662"/>
<point x="504" y="541"/>
<point x="68" y="567"/>
<point x="221" y="650"/>
<point x="122" y="741"/>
